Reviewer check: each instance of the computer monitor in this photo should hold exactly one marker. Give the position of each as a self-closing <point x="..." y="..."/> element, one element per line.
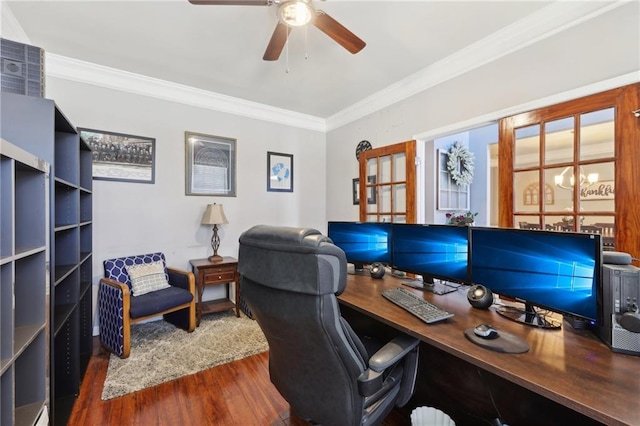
<point x="362" y="242"/>
<point x="432" y="251"/>
<point x="557" y="271"/>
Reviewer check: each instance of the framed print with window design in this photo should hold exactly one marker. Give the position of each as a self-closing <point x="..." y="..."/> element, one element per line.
<point x="121" y="157"/>
<point x="279" y="172"/>
<point x="211" y="165"/>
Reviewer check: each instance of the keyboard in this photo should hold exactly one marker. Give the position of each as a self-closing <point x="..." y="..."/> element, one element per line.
<point x="426" y="311"/>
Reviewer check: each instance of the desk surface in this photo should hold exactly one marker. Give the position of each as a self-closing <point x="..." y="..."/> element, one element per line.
<point x="571" y="367"/>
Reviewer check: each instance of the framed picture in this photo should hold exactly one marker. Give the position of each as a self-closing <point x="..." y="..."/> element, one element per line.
<point x="371" y="190"/>
<point x="121" y="157"/>
<point x="211" y="165"/>
<point x="279" y="172"/>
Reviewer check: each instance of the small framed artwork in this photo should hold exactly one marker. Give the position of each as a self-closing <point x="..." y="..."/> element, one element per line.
<point x="279" y="172"/>
<point x="211" y="165"/>
<point x="121" y="157"/>
<point x="371" y="190"/>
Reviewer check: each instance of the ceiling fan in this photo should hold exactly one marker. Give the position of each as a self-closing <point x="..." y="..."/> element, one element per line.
<point x="296" y="13"/>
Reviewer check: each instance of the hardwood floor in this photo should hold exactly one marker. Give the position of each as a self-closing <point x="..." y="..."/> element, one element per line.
<point x="238" y="393"/>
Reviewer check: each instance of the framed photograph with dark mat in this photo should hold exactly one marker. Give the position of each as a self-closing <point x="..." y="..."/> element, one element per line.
<point x="121" y="157"/>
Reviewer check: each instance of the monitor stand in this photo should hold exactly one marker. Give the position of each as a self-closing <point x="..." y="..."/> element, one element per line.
<point x="358" y="269"/>
<point x="432" y="286"/>
<point x="529" y="316"/>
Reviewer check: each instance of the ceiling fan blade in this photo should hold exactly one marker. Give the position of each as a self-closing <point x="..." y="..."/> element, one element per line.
<point x="277" y="42"/>
<point x="338" y="32"/>
<point x="232" y="2"/>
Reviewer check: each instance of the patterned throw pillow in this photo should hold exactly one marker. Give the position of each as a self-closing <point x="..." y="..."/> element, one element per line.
<point x="147" y="277"/>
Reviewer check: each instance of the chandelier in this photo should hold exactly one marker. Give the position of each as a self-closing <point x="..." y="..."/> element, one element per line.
<point x="567" y="180"/>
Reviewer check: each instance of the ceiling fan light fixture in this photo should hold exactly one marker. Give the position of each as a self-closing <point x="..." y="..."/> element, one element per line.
<point x="295" y="13"/>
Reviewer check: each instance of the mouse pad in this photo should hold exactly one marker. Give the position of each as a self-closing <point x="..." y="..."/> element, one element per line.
<point x="505" y="342"/>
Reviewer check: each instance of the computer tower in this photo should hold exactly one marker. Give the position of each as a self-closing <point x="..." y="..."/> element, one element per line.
<point x="620" y="296"/>
<point x="21" y="68"/>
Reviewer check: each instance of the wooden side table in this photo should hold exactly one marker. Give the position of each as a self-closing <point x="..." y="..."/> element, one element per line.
<point x="208" y="273"/>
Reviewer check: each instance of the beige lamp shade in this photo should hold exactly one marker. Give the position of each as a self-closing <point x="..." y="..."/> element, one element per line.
<point x="214" y="215"/>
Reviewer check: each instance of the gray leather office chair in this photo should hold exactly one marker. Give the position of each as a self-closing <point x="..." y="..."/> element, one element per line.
<point x="291" y="278"/>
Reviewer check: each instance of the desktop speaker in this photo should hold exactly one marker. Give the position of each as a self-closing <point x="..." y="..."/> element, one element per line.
<point x="480" y="297"/>
<point x="377" y="270"/>
<point x="619" y="326"/>
<point x="616" y="258"/>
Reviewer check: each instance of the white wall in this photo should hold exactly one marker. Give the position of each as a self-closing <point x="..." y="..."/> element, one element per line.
<point x="133" y="218"/>
<point x="594" y="54"/>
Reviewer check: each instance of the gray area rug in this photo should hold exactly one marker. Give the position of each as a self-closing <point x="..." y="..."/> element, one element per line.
<point x="160" y="352"/>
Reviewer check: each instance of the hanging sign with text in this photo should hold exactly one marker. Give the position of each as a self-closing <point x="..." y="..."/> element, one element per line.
<point x="604" y="190"/>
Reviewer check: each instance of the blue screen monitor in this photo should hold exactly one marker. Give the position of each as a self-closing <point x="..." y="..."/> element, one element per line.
<point x="362" y="242"/>
<point x="433" y="251"/>
<point x="558" y="271"/>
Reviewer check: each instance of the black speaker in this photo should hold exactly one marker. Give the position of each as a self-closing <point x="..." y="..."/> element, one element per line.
<point x="480" y="297"/>
<point x="377" y="270"/>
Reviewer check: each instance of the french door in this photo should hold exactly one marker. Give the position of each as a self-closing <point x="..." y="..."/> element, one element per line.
<point x="388" y="187"/>
<point x="574" y="167"/>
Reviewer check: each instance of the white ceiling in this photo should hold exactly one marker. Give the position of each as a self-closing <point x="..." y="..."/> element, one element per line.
<point x="219" y="48"/>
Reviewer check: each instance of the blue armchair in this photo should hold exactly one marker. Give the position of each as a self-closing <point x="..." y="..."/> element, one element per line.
<point x="136" y="288"/>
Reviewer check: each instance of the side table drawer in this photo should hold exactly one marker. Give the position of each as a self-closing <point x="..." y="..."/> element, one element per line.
<point x="223" y="276"/>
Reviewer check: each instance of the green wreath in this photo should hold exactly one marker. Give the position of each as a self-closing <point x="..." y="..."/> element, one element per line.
<point x="460" y="164"/>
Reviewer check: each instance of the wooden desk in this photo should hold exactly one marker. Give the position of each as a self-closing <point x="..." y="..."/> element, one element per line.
<point x="208" y="273"/>
<point x="572" y="368"/>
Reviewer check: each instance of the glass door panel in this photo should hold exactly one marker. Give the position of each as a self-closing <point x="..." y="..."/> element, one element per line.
<point x="399" y="167"/>
<point x="399" y="197"/>
<point x="597" y="192"/>
<point x="527" y="147"/>
<point x="385" y="169"/>
<point x="385" y="198"/>
<point x="560" y="178"/>
<point x="524" y="199"/>
<point x="558" y="141"/>
<point x="597" y="136"/>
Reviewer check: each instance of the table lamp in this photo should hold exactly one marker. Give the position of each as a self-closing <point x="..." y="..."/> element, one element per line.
<point x="214" y="215"/>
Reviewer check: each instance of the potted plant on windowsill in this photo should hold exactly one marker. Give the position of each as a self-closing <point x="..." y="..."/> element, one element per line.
<point x="461" y="218"/>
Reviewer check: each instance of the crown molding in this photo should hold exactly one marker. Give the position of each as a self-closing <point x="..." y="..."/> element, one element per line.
<point x="98" y="75"/>
<point x="557" y="17"/>
<point x="542" y="24"/>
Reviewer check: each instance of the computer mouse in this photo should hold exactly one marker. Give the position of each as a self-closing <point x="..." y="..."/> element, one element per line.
<point x="485" y="331"/>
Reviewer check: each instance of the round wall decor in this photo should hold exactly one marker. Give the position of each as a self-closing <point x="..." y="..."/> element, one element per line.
<point x="362" y="146"/>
